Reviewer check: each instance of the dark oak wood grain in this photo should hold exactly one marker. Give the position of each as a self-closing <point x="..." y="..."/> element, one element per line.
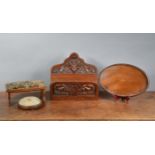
<point x="104" y="108"/>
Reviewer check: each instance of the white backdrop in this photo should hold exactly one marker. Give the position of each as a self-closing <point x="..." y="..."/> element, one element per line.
<point x="30" y="56"/>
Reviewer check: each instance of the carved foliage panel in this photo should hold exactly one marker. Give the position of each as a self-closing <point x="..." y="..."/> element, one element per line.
<point x="74" y="89"/>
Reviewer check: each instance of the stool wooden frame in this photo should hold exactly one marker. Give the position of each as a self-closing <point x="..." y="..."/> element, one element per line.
<point x="22" y="90"/>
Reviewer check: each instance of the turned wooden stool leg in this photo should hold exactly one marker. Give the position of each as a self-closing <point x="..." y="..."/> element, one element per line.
<point x="42" y="95"/>
<point x="9" y="98"/>
<point x="51" y="91"/>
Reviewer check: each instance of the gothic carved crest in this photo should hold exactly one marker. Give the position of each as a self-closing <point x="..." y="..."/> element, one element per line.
<point x="74" y="65"/>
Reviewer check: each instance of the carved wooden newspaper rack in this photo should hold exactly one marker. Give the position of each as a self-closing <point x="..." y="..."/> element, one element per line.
<point x="74" y="79"/>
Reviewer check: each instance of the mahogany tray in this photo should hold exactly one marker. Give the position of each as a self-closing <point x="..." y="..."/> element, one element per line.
<point x="123" y="80"/>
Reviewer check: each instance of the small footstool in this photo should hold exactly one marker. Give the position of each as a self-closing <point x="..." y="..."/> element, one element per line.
<point x="26" y="86"/>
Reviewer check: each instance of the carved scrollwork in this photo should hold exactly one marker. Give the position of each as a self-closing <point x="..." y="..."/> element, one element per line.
<point x="74" y="89"/>
<point x="74" y="64"/>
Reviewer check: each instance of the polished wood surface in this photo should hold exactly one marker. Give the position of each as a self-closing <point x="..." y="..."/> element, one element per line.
<point x="141" y="107"/>
<point x="123" y="80"/>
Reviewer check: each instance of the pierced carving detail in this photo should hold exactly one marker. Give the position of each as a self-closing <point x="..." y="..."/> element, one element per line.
<point x="74" y="64"/>
<point x="74" y="89"/>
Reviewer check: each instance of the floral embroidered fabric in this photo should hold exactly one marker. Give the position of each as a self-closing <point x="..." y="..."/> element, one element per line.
<point x="25" y="84"/>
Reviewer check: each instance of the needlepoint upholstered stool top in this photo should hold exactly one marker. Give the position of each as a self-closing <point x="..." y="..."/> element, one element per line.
<point x="24" y="85"/>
